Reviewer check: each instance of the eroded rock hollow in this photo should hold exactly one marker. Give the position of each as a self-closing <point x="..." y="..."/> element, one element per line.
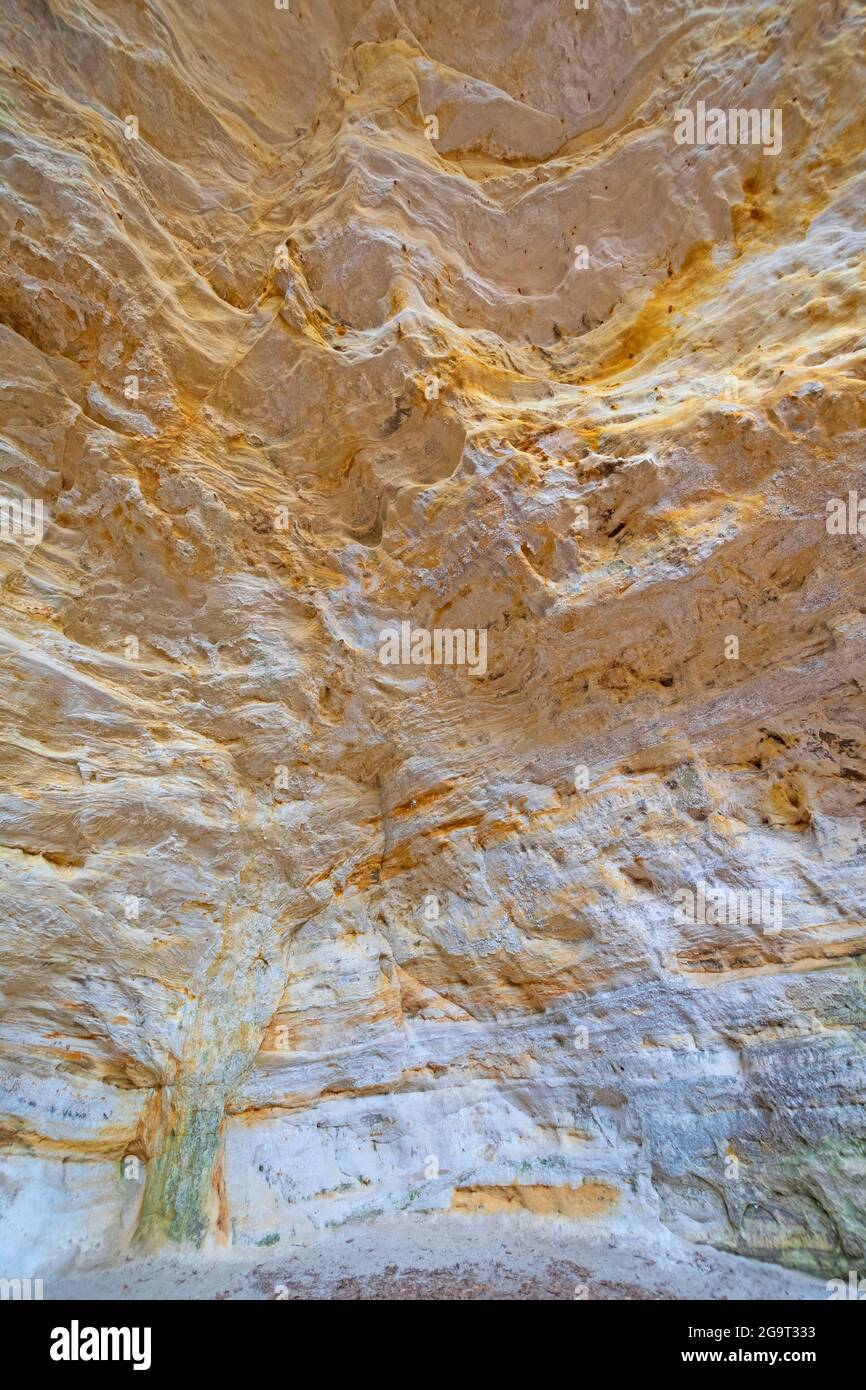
<point x="433" y="627"/>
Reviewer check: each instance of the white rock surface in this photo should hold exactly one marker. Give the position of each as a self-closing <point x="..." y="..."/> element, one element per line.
<point x="294" y="940"/>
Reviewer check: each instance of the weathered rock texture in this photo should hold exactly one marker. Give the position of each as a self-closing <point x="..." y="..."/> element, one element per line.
<point x="300" y="362"/>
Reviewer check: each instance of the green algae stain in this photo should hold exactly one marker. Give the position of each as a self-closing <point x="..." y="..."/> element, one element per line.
<point x="179" y="1190"/>
<point x="823" y="1182"/>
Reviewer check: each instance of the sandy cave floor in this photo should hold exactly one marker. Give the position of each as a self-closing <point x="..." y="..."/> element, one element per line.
<point x="465" y="1258"/>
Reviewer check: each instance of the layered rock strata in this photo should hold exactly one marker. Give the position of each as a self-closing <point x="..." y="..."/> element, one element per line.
<point x="334" y="326"/>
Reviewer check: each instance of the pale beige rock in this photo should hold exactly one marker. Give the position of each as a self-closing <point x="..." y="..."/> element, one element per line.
<point x="293" y="937"/>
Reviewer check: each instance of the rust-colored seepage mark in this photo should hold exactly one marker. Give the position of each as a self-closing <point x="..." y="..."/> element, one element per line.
<point x="650" y="329"/>
<point x="592" y="1198"/>
<point x="417" y="804"/>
